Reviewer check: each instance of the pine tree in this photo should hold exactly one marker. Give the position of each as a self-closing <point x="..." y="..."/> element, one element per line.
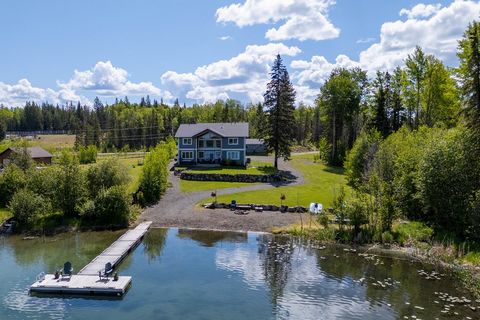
<point x="469" y="72"/>
<point x="382" y="99"/>
<point x="279" y="102"/>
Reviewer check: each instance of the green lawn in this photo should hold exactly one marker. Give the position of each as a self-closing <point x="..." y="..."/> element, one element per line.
<point x="4" y="214"/>
<point x="192" y="186"/>
<point x="321" y="184"/>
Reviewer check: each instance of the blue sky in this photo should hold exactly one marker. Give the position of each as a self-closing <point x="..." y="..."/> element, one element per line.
<point x="201" y="50"/>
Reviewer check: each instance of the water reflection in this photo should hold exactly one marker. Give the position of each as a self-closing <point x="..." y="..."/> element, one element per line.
<point x="211" y="238"/>
<point x="154" y="242"/>
<point x="200" y="274"/>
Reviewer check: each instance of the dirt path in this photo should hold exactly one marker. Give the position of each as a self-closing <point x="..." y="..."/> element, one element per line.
<point x="177" y="209"/>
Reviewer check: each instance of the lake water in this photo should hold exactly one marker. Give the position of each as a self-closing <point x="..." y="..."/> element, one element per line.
<point x="185" y="274"/>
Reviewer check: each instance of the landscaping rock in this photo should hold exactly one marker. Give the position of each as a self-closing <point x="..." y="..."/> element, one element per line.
<point x="248" y="178"/>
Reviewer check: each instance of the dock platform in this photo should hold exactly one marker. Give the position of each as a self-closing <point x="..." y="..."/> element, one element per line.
<point x="87" y="280"/>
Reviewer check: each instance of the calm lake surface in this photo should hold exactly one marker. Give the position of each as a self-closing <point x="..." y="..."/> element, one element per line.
<point x="185" y="274"/>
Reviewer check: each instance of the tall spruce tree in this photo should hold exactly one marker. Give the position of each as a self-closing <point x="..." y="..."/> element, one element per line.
<point x="279" y="131"/>
<point x="469" y="72"/>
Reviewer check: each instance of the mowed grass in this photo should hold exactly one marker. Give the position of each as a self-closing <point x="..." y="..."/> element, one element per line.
<point x="192" y="186"/>
<point x="322" y="183"/>
<point x="5" y="214"/>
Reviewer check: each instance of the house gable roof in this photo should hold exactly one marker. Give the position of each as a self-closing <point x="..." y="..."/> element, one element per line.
<point x="35" y="152"/>
<point x="237" y="129"/>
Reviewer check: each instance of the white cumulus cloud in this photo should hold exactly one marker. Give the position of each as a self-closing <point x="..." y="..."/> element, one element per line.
<point x="107" y="80"/>
<point x="434" y="28"/>
<point x="17" y="94"/>
<point x="246" y="73"/>
<point x="421" y="10"/>
<point x="302" y="19"/>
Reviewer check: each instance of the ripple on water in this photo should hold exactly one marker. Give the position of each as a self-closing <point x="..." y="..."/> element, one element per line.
<point x="32" y="307"/>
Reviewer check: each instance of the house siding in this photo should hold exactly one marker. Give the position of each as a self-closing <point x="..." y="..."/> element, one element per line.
<point x="239" y="162"/>
<point x="239" y="145"/>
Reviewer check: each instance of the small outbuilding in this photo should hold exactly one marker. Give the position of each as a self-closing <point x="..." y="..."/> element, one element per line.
<point x="255" y="147"/>
<point x="39" y="155"/>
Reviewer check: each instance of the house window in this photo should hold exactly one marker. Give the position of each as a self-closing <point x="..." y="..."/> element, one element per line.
<point x="232" y="141"/>
<point x="187" y="155"/>
<point x="233" y="155"/>
<point x="201" y="143"/>
<point x="200" y="154"/>
<point x="218" y="143"/>
<point x="209" y="143"/>
<point x="187" y="141"/>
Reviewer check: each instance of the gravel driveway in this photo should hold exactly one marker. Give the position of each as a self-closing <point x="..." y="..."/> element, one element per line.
<point x="177" y="209"/>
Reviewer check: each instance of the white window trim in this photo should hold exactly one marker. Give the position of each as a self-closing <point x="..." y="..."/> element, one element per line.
<point x="187" y="139"/>
<point x="231" y="144"/>
<point x="187" y="158"/>
<point x="230" y="153"/>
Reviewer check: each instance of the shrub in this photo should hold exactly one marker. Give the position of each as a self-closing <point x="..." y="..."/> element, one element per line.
<point x="87" y="154"/>
<point x="12" y="179"/>
<point x="153" y="180"/>
<point x="71" y="190"/>
<point x="27" y="207"/>
<point x="387" y="237"/>
<point x="360" y="158"/>
<point x="411" y="232"/>
<point x="112" y="206"/>
<point x="106" y="174"/>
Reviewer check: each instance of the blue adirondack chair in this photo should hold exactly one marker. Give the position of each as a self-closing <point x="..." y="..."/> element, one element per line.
<point x="67" y="270"/>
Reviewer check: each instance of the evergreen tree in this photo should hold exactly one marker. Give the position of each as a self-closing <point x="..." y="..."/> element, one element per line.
<point x="382" y="99"/>
<point x="416" y="68"/>
<point x="279" y="102"/>
<point x="469" y="72"/>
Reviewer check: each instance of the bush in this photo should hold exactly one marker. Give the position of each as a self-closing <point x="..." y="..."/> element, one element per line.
<point x="12" y="179"/>
<point x="27" y="207"/>
<point x="387" y="237"/>
<point x="87" y="154"/>
<point x="112" y="206"/>
<point x="106" y="174"/>
<point x="71" y="190"/>
<point x="360" y="158"/>
<point x="412" y="232"/>
<point x="153" y="180"/>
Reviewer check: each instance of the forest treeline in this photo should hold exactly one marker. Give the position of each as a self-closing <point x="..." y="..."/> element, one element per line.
<point x="423" y="92"/>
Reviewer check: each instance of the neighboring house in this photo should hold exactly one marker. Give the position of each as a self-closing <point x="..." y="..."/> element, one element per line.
<point x="255" y="146"/>
<point x="38" y="154"/>
<point x="212" y="143"/>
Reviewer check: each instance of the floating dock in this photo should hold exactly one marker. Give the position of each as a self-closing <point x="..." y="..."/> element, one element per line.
<point x="87" y="280"/>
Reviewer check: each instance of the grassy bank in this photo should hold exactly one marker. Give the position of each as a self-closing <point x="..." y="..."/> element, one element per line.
<point x="321" y="184"/>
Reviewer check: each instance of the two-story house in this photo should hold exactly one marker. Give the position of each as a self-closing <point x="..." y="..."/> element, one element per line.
<point x="223" y="143"/>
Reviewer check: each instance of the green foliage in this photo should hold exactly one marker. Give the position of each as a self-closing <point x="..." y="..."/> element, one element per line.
<point x="278" y="132"/>
<point x="71" y="185"/>
<point x="339" y="102"/>
<point x="12" y="179"/>
<point x="153" y="180"/>
<point x="412" y="232"/>
<point x="27" y="207"/>
<point x="360" y="158"/>
<point x="469" y="73"/>
<point x="87" y="154"/>
<point x="323" y="151"/>
<point x="106" y="174"/>
<point x="110" y="206"/>
<point x="22" y="157"/>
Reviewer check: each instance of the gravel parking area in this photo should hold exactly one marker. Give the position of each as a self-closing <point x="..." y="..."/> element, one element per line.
<point x="177" y="209"/>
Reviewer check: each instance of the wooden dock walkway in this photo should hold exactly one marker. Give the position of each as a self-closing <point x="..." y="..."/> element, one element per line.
<point x="87" y="280"/>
